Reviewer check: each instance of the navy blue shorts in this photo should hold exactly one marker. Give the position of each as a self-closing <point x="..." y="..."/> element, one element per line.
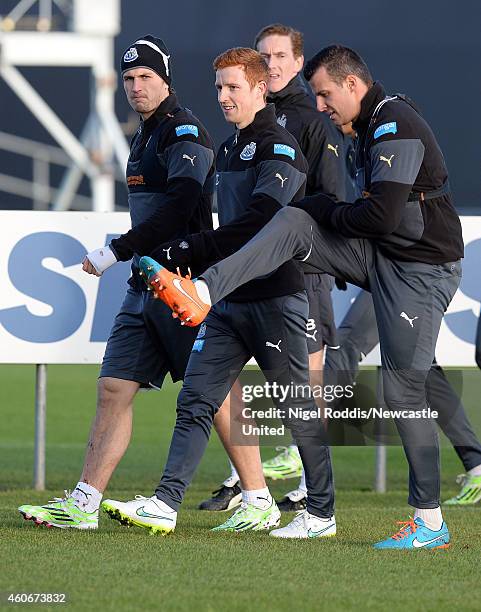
<point x="146" y="343"/>
<point x="321" y="328"/>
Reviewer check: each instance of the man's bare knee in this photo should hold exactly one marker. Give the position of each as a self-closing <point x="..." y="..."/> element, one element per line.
<point x="224" y="411"/>
<point x="115" y="393"/>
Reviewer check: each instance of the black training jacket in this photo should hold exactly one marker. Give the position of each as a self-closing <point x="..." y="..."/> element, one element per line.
<point x="320" y="140"/>
<point x="260" y="169"/>
<point x="170" y="179"/>
<point x="353" y="192"/>
<point x="406" y="205"/>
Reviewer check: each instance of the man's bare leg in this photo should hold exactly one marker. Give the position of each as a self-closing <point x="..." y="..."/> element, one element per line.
<point x="244" y="454"/>
<point x="316" y="362"/>
<point x="110" y="432"/>
<point x="316" y="378"/>
<point x="108" y="441"/>
<point x="245" y="457"/>
<point x="295" y="499"/>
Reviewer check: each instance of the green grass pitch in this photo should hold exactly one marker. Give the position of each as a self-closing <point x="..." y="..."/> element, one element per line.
<point x="117" y="568"/>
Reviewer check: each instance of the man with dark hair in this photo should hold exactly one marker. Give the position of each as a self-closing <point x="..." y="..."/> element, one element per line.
<point x="259" y="168"/>
<point x="322" y="145"/>
<point x="342" y="62"/>
<point x="402" y="241"/>
<point x="170" y="180"/>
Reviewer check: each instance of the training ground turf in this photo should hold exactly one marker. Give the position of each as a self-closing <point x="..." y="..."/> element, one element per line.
<point x="117" y="568"/>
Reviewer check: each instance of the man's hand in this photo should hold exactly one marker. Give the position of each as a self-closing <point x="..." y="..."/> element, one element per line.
<point x="173" y="255"/>
<point x="96" y="262"/>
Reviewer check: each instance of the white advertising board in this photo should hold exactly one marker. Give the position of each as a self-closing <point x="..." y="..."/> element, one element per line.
<point x="52" y="312"/>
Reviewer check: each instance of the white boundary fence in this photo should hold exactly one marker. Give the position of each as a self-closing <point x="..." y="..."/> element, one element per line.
<point x="53" y="313"/>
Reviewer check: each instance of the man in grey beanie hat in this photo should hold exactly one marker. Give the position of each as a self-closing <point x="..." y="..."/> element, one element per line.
<point x="170" y="180"/>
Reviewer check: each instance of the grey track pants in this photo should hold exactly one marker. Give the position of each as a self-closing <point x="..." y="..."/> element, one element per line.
<point x="409" y="298"/>
<point x="274" y="332"/>
<point x="357" y="335"/>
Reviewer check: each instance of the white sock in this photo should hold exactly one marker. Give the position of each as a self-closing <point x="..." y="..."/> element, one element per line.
<point x="432" y="517"/>
<point x="162" y="505"/>
<point x="475" y="471"/>
<point x="260" y="498"/>
<point x="294" y="447"/>
<point x="302" y="485"/>
<point x="233" y="479"/>
<point x="203" y="291"/>
<point x="88" y="498"/>
<point x="320" y="518"/>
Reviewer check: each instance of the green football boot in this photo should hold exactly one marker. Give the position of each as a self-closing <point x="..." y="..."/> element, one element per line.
<point x="61" y="512"/>
<point x="249" y="517"/>
<point x="470" y="491"/>
<point x="287" y="464"/>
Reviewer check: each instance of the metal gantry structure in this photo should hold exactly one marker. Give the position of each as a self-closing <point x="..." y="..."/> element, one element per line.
<point x="28" y="38"/>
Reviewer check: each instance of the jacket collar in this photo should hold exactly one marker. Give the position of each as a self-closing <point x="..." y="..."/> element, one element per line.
<point x="166" y="107"/>
<point x="368" y="104"/>
<point x="264" y="118"/>
<point x="294" y="87"/>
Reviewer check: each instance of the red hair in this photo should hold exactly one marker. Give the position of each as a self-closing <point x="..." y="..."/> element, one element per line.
<point x="251" y="61"/>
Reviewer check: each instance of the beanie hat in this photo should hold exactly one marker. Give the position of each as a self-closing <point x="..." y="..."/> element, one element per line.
<point x="148" y="52"/>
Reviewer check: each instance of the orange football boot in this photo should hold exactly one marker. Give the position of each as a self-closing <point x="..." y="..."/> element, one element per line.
<point x="177" y="292"/>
